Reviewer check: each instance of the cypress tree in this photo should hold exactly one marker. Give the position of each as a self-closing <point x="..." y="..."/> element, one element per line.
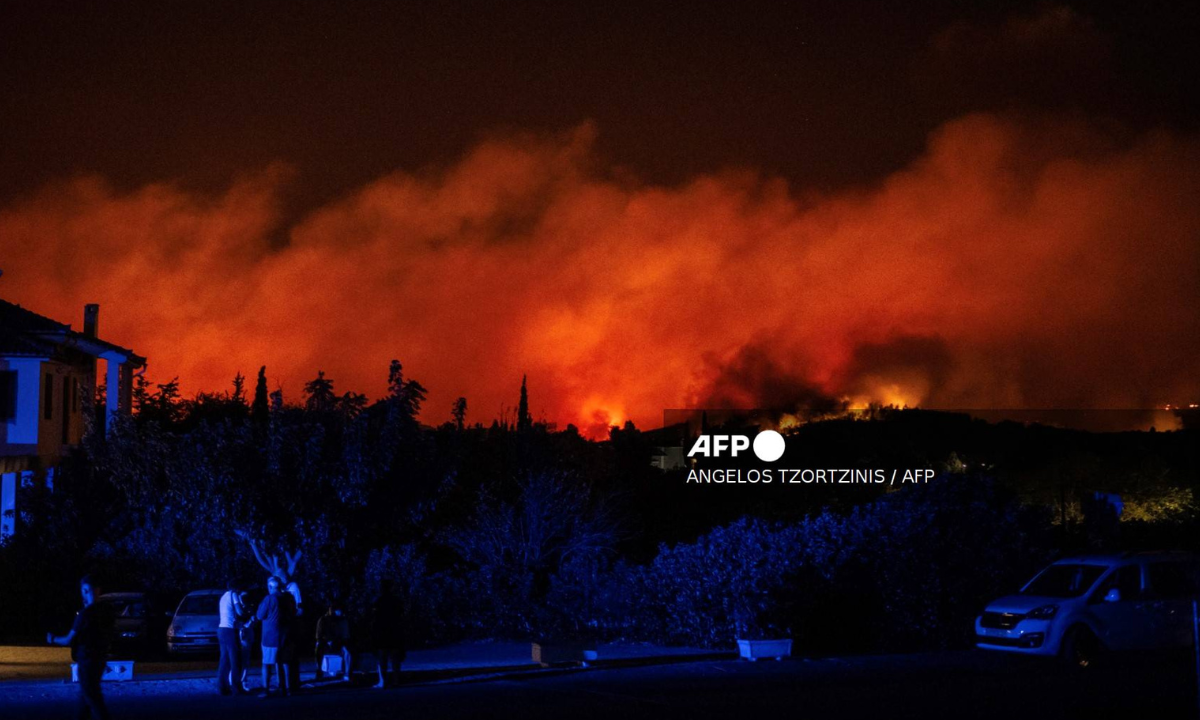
<point x="260" y="410"/>
<point x="524" y="421"/>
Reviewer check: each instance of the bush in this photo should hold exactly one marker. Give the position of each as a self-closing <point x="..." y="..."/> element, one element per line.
<point x="909" y="570"/>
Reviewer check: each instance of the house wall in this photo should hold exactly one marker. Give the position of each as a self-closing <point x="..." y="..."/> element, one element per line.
<point x="30" y="432"/>
<point x="66" y="382"/>
<point x="24" y="427"/>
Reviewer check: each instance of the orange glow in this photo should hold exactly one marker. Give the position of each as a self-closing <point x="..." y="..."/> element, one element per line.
<point x="992" y="272"/>
<point x="598" y="418"/>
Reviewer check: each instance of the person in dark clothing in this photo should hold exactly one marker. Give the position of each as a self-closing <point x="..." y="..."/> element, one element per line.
<point x="292" y="650"/>
<point x="388" y="632"/>
<point x="275" y="614"/>
<point x="333" y="638"/>
<point x="89" y="640"/>
<point x="246" y="639"/>
<point x="289" y="639"/>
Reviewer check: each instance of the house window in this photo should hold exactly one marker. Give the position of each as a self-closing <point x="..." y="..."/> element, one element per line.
<point x="8" y="395"/>
<point x="48" y="398"/>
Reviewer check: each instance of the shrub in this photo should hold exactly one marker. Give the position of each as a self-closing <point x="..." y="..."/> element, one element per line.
<point x="909" y="570"/>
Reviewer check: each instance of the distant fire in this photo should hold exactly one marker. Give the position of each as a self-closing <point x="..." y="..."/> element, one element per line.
<point x="1013" y="265"/>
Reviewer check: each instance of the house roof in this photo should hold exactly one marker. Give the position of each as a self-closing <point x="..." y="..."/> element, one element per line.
<point x="16" y="318"/>
<point x="23" y="345"/>
<point x="28" y="334"/>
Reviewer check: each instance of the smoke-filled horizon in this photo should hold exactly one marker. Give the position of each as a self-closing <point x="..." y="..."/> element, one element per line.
<point x="1017" y="263"/>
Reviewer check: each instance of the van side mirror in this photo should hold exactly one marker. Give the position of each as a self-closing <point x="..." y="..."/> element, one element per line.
<point x="1113" y="595"/>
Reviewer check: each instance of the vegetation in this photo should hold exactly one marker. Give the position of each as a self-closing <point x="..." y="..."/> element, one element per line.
<point x="516" y="531"/>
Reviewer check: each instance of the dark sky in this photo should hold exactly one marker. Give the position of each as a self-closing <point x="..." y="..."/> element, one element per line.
<point x="828" y="94"/>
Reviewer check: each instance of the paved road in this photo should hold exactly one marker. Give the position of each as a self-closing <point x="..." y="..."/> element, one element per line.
<point x="931" y="686"/>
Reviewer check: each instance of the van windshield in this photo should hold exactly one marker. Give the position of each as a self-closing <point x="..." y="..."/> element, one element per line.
<point x="1064" y="581"/>
<point x="199" y="605"/>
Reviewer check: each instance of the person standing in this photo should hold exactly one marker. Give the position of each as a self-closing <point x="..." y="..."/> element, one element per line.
<point x="275" y="616"/>
<point x="291" y="652"/>
<point x="89" y="639"/>
<point x="388" y="632"/>
<point x="333" y="637"/>
<point x="246" y="638"/>
<point x="229" y="668"/>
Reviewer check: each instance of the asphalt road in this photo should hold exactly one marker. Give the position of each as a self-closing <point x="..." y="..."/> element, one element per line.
<point x="929" y="686"/>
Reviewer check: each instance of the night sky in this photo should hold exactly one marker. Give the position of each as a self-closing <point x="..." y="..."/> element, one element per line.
<point x="641" y="206"/>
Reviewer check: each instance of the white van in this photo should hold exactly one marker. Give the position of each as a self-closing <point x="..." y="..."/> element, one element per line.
<point x="1082" y="606"/>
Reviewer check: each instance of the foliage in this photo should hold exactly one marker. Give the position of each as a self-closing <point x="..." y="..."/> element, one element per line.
<point x="521" y="536"/>
<point x="515" y="531"/>
<point x="907" y="570"/>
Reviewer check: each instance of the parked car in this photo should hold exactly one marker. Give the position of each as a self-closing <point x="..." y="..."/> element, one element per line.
<point x="1080" y="607"/>
<point x="194" y="627"/>
<point x="137" y="631"/>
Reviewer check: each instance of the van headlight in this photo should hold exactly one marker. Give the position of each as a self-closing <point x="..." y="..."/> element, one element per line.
<point x="171" y="631"/>
<point x="1044" y="612"/>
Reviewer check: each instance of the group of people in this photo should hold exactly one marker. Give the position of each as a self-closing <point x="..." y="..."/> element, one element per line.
<point x="275" y="623"/>
<point x="276" y="617"/>
<point x="278" y="621"/>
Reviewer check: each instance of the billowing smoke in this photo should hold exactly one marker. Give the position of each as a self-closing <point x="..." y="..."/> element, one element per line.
<point x="1015" y="264"/>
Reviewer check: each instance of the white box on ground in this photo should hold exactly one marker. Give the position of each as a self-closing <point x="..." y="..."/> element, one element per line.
<point x="114" y="671"/>
<point x="331" y="664"/>
<point x="558" y="653"/>
<point x="754" y="649"/>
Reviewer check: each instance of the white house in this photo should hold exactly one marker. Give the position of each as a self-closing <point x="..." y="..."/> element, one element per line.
<point x="47" y="380"/>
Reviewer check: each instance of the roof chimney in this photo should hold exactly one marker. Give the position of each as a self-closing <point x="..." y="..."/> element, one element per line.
<point x="91" y="319"/>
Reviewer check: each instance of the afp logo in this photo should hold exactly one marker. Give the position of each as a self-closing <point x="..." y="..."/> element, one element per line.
<point x="768" y="445"/>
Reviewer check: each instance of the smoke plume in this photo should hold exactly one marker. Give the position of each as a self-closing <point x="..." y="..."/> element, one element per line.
<point x="1015" y="264"/>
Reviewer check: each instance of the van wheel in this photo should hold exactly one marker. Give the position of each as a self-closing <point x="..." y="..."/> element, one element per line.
<point x="1081" y="648"/>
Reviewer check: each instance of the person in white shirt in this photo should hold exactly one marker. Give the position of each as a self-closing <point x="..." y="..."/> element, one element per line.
<point x="229" y="669"/>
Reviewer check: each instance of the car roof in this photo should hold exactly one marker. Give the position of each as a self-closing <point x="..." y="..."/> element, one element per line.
<point x="1123" y="558"/>
<point x="205" y="592"/>
<point x="122" y="595"/>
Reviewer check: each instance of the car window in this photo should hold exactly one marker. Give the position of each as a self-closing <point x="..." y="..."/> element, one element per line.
<point x="125" y="607"/>
<point x="1171" y="579"/>
<point x="199" y="605"/>
<point x="1128" y="580"/>
<point x="1064" y="580"/>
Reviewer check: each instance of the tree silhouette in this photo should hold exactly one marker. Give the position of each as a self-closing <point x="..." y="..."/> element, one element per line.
<point x="141" y="394"/>
<point x="524" y="421"/>
<point x="239" y="389"/>
<point x="166" y="405"/>
<point x="319" y="394"/>
<point x="404" y="396"/>
<point x="459" y="413"/>
<point x="260" y="409"/>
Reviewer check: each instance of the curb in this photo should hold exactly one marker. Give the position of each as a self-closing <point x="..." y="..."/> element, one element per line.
<point x="425" y="678"/>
